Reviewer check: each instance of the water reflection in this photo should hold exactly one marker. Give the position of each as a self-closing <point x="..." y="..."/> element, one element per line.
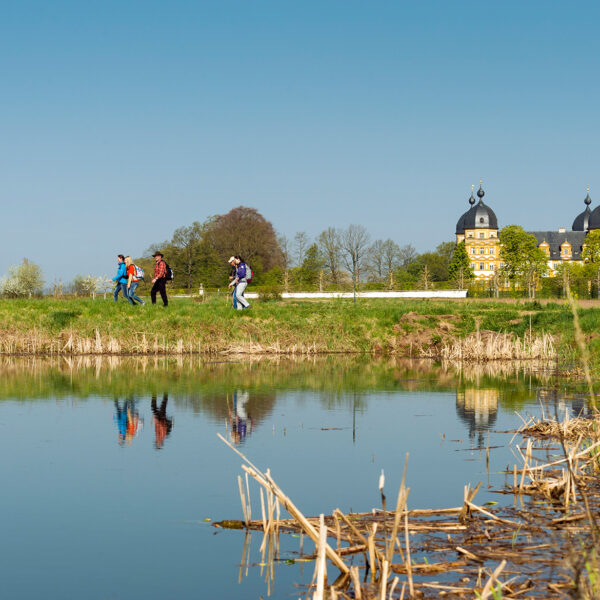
<point x="128" y="421"/>
<point x="239" y="417"/>
<point x="478" y="409"/>
<point x="162" y="423"/>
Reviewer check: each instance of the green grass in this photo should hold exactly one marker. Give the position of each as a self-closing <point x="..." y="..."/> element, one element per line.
<point x="323" y="326"/>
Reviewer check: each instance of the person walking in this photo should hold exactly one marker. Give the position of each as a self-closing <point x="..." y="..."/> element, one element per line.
<point x="132" y="282"/>
<point x="240" y="282"/>
<point x="120" y="279"/>
<point x="232" y="276"/>
<point x="159" y="283"/>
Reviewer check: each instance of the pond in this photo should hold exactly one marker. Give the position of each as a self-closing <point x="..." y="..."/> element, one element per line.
<point x="113" y="473"/>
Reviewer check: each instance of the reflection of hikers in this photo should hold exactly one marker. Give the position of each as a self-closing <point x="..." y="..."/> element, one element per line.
<point x="132" y="281"/>
<point x="120" y="279"/>
<point x="160" y="279"/>
<point x="239" y="418"/>
<point x="128" y="421"/>
<point x="162" y="424"/>
<point x="242" y="276"/>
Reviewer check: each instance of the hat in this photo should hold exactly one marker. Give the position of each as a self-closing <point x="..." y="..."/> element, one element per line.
<point x="157" y="253"/>
<point x="231" y="259"/>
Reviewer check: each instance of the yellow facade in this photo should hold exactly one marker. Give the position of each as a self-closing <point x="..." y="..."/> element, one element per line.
<point x="483" y="248"/>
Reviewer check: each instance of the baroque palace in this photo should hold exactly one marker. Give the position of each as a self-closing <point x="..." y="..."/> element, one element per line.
<point x="478" y="228"/>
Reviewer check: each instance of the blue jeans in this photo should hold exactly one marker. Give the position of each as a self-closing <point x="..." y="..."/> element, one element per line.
<point x="120" y="287"/>
<point x="131" y="295"/>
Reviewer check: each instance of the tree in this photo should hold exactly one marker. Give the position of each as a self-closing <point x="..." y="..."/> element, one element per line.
<point x="591" y="247"/>
<point x="354" y="243"/>
<point x="245" y="232"/>
<point x="187" y="243"/>
<point x="460" y="269"/>
<point x="521" y="257"/>
<point x="24" y="280"/>
<point x="407" y="255"/>
<point x="311" y="265"/>
<point x="301" y="242"/>
<point x="425" y="278"/>
<point x="330" y="247"/>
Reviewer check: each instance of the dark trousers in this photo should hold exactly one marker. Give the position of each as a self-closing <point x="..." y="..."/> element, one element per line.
<point x="160" y="285"/>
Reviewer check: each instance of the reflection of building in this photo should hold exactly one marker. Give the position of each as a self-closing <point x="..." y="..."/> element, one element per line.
<point x="478" y="410"/>
<point x="478" y="229"/>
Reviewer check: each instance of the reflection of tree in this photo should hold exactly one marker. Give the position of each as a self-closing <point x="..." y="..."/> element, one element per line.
<point x="478" y="409"/>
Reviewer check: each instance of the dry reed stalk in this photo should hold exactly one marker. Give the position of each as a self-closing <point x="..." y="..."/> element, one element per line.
<point x="408" y="560"/>
<point x="243" y="499"/>
<point x="400" y="504"/>
<point x="286" y="502"/>
<point x="371" y="550"/>
<point x="487" y="590"/>
<point x="321" y="562"/>
<point x="384" y="577"/>
<point x="355" y="582"/>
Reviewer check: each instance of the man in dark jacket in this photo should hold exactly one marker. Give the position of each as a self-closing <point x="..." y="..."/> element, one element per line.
<point x="121" y="278"/>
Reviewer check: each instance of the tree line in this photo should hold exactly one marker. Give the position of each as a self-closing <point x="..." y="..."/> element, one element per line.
<point x="337" y="258"/>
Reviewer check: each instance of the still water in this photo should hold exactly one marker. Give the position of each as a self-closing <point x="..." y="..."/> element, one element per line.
<point x="112" y="471"/>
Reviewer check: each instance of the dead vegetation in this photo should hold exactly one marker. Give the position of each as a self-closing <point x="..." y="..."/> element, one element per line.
<point x="544" y="545"/>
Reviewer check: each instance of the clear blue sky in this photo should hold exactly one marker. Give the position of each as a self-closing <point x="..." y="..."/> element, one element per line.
<point x="121" y="121"/>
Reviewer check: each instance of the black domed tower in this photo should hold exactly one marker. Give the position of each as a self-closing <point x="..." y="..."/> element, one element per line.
<point x="582" y="220"/>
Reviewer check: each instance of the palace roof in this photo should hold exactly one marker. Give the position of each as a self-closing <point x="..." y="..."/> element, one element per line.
<point x="479" y="216"/>
<point x="582" y="220"/>
<point x="556" y="238"/>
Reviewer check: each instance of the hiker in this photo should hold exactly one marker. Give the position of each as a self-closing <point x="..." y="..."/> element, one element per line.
<point x="160" y="279"/>
<point x="121" y="278"/>
<point x="240" y="282"/>
<point x="132" y="282"/>
<point x="162" y="423"/>
<point x="232" y="276"/>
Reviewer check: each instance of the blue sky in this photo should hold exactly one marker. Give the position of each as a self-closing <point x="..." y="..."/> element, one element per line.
<point x="121" y="121"/>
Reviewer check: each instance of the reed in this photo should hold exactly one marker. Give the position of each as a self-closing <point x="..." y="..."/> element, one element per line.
<point x="482" y="552"/>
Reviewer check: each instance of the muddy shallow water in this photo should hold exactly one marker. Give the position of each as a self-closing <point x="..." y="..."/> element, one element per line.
<point x="112" y="471"/>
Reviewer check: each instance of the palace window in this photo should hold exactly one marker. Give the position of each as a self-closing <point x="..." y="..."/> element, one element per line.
<point x="472" y="250"/>
<point x="480" y="250"/>
<point x="481" y="267"/>
<point x="491" y="266"/>
<point x="482" y="236"/>
<point x="491" y="251"/>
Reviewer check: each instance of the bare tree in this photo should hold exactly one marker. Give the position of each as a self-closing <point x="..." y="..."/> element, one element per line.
<point x="354" y="243"/>
<point x="330" y="246"/>
<point x="406" y="255"/>
<point x="301" y="243"/>
<point x="383" y="259"/>
<point x="286" y="252"/>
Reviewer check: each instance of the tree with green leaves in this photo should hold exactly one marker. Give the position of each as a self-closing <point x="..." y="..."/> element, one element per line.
<point x="591" y="247"/>
<point x="312" y="265"/>
<point x="460" y="269"/>
<point x="523" y="260"/>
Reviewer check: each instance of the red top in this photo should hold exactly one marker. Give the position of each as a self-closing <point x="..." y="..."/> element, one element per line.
<point x="131" y="271"/>
<point x="160" y="269"/>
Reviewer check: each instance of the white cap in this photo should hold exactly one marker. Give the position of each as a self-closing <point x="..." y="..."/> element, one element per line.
<point x="231" y="259"/>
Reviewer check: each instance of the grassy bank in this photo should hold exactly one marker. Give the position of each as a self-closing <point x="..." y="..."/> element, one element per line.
<point x="397" y="327"/>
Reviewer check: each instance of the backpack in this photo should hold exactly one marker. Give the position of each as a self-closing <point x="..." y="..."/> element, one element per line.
<point x="249" y="273"/>
<point x="169" y="275"/>
<point x="139" y="273"/>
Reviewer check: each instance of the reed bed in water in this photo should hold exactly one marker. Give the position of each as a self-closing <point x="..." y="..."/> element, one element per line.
<point x="543" y="546"/>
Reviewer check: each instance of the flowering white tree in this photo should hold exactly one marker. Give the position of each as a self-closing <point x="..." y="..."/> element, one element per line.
<point x="26" y="280"/>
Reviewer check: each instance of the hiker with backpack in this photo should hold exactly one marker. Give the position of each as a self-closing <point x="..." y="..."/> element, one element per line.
<point x="242" y="278"/>
<point x="120" y="279"/>
<point x="162" y="273"/>
<point x="135" y="274"/>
